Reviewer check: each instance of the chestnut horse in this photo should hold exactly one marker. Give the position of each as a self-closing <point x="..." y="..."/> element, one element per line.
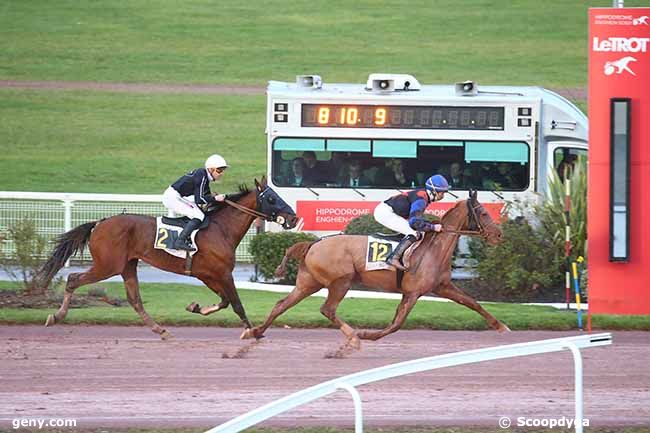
<point x="339" y="261"/>
<point x="119" y="242"/>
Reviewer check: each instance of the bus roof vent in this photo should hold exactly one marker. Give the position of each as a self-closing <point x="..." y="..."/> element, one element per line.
<point x="391" y="82"/>
<point x="310" y="81"/>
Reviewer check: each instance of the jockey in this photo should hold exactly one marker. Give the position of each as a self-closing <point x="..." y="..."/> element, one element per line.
<point x="194" y="184"/>
<point x="403" y="213"/>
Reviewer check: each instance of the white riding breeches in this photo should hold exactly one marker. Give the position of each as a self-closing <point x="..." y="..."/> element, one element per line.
<point x="181" y="206"/>
<point x="385" y="216"/>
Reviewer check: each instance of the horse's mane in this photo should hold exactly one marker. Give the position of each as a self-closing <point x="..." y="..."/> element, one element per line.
<point x="430" y="236"/>
<point x="243" y="190"/>
<point x="450" y="212"/>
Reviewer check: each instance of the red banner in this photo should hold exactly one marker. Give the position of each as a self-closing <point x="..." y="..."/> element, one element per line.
<point x="619" y="67"/>
<point x="335" y="215"/>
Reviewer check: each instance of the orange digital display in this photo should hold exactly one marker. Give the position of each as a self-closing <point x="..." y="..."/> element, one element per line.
<point x="402" y="117"/>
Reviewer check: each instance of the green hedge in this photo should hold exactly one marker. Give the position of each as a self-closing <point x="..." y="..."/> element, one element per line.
<point x="268" y="250"/>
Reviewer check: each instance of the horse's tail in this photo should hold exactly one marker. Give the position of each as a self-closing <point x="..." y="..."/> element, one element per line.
<point x="297" y="251"/>
<point x="67" y="245"/>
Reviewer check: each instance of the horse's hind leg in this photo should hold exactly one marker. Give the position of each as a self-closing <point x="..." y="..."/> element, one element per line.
<point x="450" y="291"/>
<point x="305" y="285"/>
<point x="403" y="310"/>
<point x="130" y="276"/>
<point x="336" y="293"/>
<point x="76" y="280"/>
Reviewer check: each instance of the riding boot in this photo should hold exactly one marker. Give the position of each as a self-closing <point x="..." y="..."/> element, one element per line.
<point x="183" y="241"/>
<point x="395" y="258"/>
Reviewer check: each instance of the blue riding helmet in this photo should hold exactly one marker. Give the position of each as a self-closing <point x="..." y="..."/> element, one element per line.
<point x="437" y="183"/>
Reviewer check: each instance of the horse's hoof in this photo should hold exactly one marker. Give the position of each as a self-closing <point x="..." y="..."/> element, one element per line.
<point x="503" y="329"/>
<point x="193" y="308"/>
<point x="248" y="333"/>
<point x="354" y="343"/>
<point x="50" y="320"/>
<point x="166" y="335"/>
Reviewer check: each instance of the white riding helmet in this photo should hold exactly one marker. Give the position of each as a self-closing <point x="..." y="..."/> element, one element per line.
<point x="215" y="161"/>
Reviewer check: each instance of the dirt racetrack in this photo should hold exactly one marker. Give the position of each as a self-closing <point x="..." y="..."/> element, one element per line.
<point x="126" y="377"/>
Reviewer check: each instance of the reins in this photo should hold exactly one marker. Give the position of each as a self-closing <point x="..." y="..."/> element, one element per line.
<point x="472" y="215"/>
<point x="244" y="209"/>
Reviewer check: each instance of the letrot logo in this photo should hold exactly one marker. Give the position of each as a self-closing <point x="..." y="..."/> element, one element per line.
<point x="621" y="45"/>
<point x="619" y="66"/>
<point x="641" y="21"/>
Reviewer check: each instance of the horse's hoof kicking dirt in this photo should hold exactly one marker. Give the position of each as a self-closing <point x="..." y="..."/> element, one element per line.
<point x="50" y="320"/>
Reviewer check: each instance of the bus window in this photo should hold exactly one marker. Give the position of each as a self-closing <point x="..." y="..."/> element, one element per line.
<point x="565" y="157"/>
<point x="399" y="164"/>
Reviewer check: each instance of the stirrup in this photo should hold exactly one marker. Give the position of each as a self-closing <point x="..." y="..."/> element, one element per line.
<point x="185" y="246"/>
<point x="397" y="264"/>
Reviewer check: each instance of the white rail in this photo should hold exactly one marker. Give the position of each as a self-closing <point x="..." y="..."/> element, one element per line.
<point x="573" y="344"/>
<point x="55" y="213"/>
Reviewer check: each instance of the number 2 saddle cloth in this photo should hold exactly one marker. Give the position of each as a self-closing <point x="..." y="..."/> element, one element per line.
<point x="167" y="231"/>
<point x="381" y="246"/>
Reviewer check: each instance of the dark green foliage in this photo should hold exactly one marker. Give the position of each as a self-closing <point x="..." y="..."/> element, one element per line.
<point x="520" y="266"/>
<point x="552" y="217"/>
<point x="268" y="250"/>
<point x="29" y="250"/>
<point x="365" y="225"/>
<point x="531" y="258"/>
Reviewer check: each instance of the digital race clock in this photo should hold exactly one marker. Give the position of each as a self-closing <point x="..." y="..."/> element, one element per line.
<point x="402" y="116"/>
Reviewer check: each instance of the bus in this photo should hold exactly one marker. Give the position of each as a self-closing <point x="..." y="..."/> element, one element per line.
<point x="336" y="150"/>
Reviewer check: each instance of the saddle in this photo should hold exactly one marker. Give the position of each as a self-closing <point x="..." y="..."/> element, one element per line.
<point x="182" y="222"/>
<point x="167" y="231"/>
<point x="380" y="246"/>
<point x="395" y="237"/>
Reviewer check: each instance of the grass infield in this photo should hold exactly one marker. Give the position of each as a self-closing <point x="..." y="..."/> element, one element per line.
<point x="166" y="304"/>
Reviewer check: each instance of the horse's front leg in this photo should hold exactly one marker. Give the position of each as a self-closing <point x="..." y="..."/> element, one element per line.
<point x="403" y="310"/>
<point x="449" y="290"/>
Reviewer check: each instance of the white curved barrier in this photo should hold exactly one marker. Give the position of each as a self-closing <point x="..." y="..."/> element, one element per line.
<point x="349" y="382"/>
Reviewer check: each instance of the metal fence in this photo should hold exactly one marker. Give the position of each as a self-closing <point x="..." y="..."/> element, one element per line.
<point x="351" y="381"/>
<point x="56" y="213"/>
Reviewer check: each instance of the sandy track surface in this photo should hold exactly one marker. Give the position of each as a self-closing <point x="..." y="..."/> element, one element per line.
<point x="106" y="376"/>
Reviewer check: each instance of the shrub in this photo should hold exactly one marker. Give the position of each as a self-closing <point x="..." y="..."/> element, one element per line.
<point x="28" y="255"/>
<point x="552" y="217"/>
<point x="518" y="268"/>
<point x="365" y="225"/>
<point x="531" y="258"/>
<point x="268" y="250"/>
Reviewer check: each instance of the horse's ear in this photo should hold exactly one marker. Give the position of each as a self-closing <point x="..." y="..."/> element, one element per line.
<point x="264" y="181"/>
<point x="258" y="186"/>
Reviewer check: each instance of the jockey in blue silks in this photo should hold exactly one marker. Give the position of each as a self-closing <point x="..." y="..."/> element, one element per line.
<point x="403" y="213"/>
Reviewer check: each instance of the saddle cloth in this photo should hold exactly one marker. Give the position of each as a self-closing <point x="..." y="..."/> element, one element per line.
<point x="166" y="235"/>
<point x="379" y="248"/>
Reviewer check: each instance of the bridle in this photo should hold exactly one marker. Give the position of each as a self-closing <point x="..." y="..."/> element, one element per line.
<point x="474" y="221"/>
<point x="274" y="217"/>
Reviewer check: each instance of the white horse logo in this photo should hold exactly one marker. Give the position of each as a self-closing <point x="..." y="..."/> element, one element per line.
<point x="619" y="66"/>
<point x="641" y="20"/>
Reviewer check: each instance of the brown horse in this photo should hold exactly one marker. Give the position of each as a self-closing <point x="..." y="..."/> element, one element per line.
<point x="119" y="242"/>
<point x="339" y="261"/>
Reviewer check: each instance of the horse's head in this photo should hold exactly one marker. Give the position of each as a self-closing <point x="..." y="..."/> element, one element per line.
<point x="272" y="205"/>
<point x="479" y="220"/>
